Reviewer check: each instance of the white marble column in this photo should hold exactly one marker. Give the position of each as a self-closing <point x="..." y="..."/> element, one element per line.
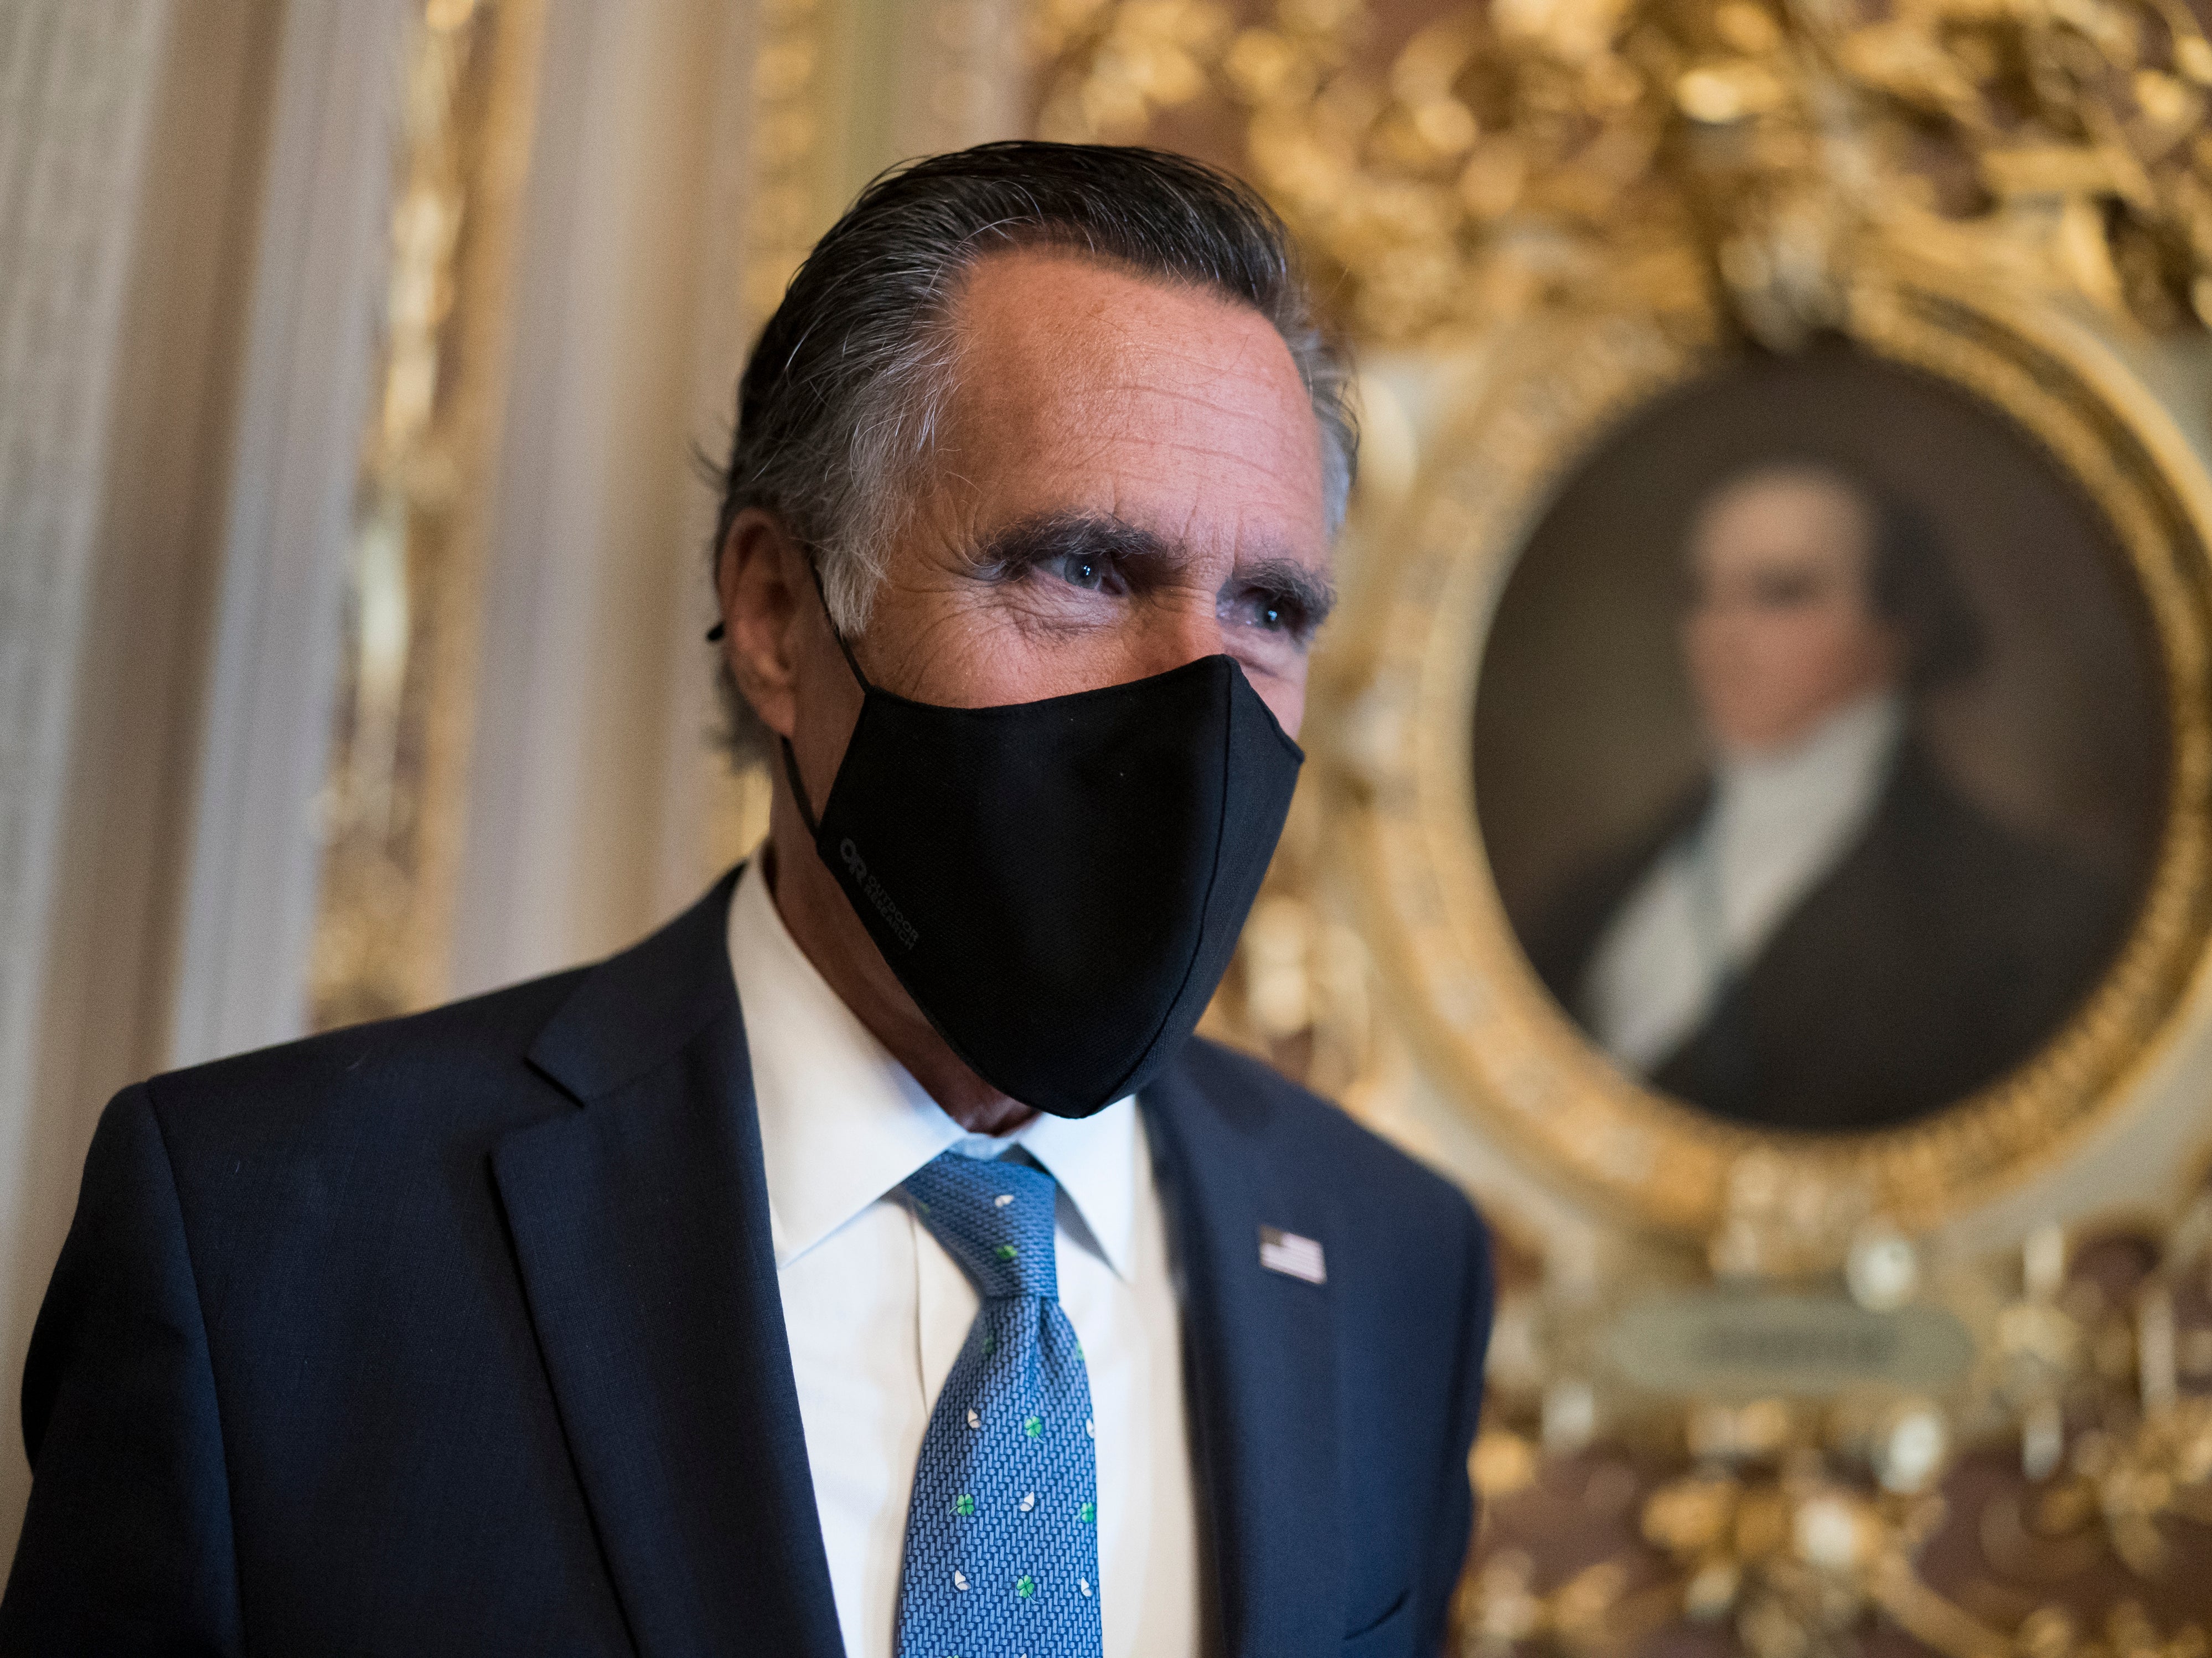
<point x="306" y="356"/>
<point x="78" y="80"/>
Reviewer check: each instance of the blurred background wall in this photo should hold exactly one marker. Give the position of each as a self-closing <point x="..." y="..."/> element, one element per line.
<point x="359" y="361"/>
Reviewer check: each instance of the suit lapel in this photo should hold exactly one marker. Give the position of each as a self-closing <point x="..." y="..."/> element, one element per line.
<point x="641" y="1224"/>
<point x="1260" y="1354"/>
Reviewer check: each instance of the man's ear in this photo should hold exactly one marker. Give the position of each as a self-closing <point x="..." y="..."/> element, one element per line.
<point x="759" y="577"/>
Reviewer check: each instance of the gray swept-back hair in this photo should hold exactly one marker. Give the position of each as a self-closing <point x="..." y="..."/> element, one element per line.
<point x="840" y="403"/>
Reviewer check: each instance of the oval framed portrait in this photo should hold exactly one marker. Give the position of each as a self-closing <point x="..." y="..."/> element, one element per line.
<point x="1805" y="750"/>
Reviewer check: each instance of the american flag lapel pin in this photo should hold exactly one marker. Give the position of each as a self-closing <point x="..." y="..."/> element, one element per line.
<point x="1291" y="1255"/>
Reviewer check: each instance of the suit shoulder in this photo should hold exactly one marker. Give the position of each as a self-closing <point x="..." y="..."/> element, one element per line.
<point x="462" y="1055"/>
<point x="1382" y="1184"/>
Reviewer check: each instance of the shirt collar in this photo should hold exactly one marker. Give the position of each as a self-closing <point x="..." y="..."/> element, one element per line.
<point x="1094" y="1159"/>
<point x="842" y="1123"/>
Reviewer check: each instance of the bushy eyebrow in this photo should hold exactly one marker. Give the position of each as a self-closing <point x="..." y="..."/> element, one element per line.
<point x="1289" y="582"/>
<point x="1031" y="544"/>
<point x="1139" y="555"/>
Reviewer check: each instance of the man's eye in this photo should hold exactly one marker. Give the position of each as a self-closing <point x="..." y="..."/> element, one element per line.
<point x="1080" y="571"/>
<point x="1273" y="613"/>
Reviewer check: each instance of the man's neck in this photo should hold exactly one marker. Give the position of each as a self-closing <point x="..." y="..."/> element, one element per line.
<point x="823" y="925"/>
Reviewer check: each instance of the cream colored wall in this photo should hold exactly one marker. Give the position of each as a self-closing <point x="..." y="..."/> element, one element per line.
<point x="130" y="140"/>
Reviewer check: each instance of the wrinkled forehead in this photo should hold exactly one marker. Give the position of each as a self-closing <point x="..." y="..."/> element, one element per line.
<point x="1075" y="385"/>
<point x="1803" y="519"/>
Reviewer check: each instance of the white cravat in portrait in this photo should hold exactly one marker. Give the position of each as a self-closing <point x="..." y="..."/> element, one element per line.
<point x="1778" y="825"/>
<point x="876" y="1310"/>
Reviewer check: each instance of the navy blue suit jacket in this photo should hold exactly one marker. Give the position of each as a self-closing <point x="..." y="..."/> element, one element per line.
<point x="460" y="1334"/>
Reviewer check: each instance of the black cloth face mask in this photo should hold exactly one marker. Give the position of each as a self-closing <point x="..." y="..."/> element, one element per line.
<point x="1059" y="884"/>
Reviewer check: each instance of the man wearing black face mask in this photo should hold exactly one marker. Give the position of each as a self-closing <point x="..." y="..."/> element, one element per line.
<point x="870" y="1261"/>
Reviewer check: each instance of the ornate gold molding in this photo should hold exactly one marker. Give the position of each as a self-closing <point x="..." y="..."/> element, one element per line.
<point x="787" y="205"/>
<point x="393" y="802"/>
<point x="1512" y="155"/>
<point x="1397" y="735"/>
<point x="786" y="141"/>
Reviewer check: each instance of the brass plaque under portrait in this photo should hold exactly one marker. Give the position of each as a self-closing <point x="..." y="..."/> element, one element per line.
<point x="1804" y="751"/>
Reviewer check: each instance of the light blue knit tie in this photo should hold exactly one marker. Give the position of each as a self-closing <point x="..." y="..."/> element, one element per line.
<point x="1002" y="1537"/>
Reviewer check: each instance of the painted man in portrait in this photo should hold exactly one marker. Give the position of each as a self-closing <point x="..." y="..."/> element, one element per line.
<point x="1825" y="934"/>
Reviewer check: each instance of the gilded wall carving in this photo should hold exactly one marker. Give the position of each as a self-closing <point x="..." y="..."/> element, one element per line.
<point x="392" y="806"/>
<point x="1502" y="157"/>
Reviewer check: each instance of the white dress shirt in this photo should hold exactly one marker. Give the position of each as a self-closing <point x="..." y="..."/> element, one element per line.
<point x="877" y="1311"/>
<point x="1778" y="825"/>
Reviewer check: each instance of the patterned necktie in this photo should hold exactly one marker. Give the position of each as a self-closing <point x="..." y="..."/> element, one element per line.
<point x="1002" y="1537"/>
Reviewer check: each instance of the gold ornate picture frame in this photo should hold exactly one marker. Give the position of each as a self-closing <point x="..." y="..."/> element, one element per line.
<point x="1399" y="781"/>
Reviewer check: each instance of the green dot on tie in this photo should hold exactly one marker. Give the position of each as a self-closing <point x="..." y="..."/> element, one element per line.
<point x="965" y="1504"/>
<point x="1007" y="1252"/>
<point x="1033" y="1428"/>
<point x="1088" y="1514"/>
<point x="990" y="1343"/>
<point x="1024" y="1586"/>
